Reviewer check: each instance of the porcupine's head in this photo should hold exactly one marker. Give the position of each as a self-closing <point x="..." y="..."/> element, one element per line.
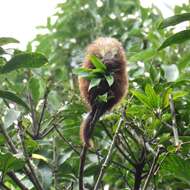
<point x="110" y="51"/>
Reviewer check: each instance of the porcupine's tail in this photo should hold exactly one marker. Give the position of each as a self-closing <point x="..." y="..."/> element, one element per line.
<point x="87" y="126"/>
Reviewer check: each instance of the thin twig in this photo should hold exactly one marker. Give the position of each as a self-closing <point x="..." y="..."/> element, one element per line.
<point x="151" y="172"/>
<point x="33" y="114"/>
<point x="174" y="124"/>
<point x="55" y="164"/>
<point x="13" y="176"/>
<point x="140" y="140"/>
<point x="27" y="159"/>
<point x="8" y="139"/>
<point x="118" y="164"/>
<point x="108" y="157"/>
<point x="119" y="148"/>
<point x="128" y="147"/>
<point x="47" y="132"/>
<point x="14" y="151"/>
<point x="66" y="141"/>
<point x="43" y="108"/>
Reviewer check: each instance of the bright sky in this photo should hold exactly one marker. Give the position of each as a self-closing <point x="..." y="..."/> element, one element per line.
<point x="19" y="18"/>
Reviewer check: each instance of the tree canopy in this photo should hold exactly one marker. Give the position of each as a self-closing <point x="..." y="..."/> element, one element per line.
<point x="145" y="139"/>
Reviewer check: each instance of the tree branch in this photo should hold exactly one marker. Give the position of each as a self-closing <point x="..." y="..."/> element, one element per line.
<point x="66" y="141"/>
<point x="108" y="157"/>
<point x="14" y="151"/>
<point x="139" y="169"/>
<point x="43" y="108"/>
<point x="84" y="151"/>
<point x="174" y="124"/>
<point x="119" y="148"/>
<point x="34" y="119"/>
<point x="27" y="159"/>
<point x="151" y="172"/>
<point x="13" y="176"/>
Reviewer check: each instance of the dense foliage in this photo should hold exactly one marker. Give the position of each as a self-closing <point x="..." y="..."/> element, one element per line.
<point x="41" y="109"/>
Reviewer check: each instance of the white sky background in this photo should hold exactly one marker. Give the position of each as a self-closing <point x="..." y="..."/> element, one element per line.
<point x="19" y="18"/>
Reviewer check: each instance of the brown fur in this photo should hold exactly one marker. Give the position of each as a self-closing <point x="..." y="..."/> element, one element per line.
<point x="113" y="55"/>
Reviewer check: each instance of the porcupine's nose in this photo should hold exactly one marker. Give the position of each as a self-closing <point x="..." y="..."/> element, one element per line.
<point x="111" y="62"/>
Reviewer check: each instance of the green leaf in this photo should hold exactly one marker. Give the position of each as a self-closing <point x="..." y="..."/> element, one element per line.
<point x="177" y="38"/>
<point x="165" y="97"/>
<point x="143" y="55"/>
<point x="65" y="157"/>
<point x="11" y="116"/>
<point x="84" y="72"/>
<point x="173" y="20"/>
<point x="143" y="98"/>
<point x="46" y="176"/>
<point x="10" y="161"/>
<point x="109" y="79"/>
<point x="91" y="169"/>
<point x="31" y="145"/>
<point x="154" y="73"/>
<point x="7" y="40"/>
<point x="94" y="82"/>
<point x="34" y="85"/>
<point x="177" y="167"/>
<point x="13" y="97"/>
<point x="80" y="71"/>
<point x="97" y="72"/>
<point x="184" y="61"/>
<point x="2" y="51"/>
<point x="179" y="94"/>
<point x="24" y="60"/>
<point x="164" y="137"/>
<point x="153" y="98"/>
<point x="39" y="157"/>
<point x="97" y="63"/>
<point x="2" y="61"/>
<point x="103" y="98"/>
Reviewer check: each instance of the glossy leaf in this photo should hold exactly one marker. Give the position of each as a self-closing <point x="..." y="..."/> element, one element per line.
<point x="10" y="161"/>
<point x="2" y="51"/>
<point x="143" y="98"/>
<point x="143" y="55"/>
<point x="7" y="40"/>
<point x="109" y="79"/>
<point x="177" y="167"/>
<point x="13" y="97"/>
<point x="94" y="82"/>
<point x="84" y="72"/>
<point x="10" y="117"/>
<point x="165" y="97"/>
<point x="153" y="98"/>
<point x="103" y="98"/>
<point x="34" y="86"/>
<point x="177" y="38"/>
<point x="97" y="63"/>
<point x="173" y="20"/>
<point x="24" y="60"/>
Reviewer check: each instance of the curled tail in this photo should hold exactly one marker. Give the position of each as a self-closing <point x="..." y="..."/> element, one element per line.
<point x="87" y="125"/>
